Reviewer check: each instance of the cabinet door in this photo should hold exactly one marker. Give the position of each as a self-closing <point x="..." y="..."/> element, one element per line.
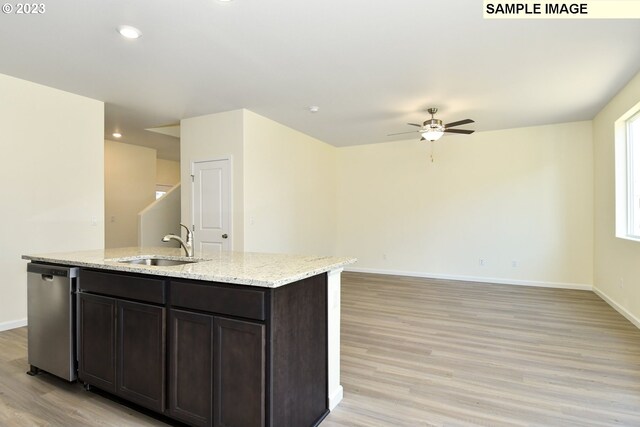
<point x="191" y="372"/>
<point x="239" y="373"/>
<point x="141" y="354"/>
<point x="97" y="341"/>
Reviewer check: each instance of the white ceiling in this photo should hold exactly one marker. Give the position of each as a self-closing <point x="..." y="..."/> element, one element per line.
<point x="370" y="65"/>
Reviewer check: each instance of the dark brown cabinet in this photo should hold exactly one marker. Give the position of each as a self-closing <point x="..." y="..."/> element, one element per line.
<point x="97" y="333"/>
<point x="239" y="374"/>
<point x="191" y="371"/>
<point x="217" y="373"/>
<point x="217" y="370"/>
<point x="122" y="343"/>
<point x="140" y="344"/>
<point x="238" y="356"/>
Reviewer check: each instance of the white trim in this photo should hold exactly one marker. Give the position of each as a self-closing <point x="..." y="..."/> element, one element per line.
<point x="335" y="397"/>
<point x="623" y="172"/>
<point x="559" y="285"/>
<point x="630" y="317"/>
<point x="334" y="388"/>
<point x="228" y="157"/>
<point x="231" y="205"/>
<point x="5" y="326"/>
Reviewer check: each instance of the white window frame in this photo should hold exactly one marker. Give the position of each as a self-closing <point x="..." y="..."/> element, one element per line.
<point x="625" y="172"/>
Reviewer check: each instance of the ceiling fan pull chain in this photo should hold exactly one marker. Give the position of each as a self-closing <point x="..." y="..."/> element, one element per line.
<point x="431" y="151"/>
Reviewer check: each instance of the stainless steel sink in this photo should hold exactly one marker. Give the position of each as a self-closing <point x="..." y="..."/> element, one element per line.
<point x="157" y="261"/>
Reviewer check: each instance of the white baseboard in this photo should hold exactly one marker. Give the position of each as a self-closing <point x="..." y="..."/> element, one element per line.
<point x="335" y="397"/>
<point x="5" y="326"/>
<point x="630" y="317"/>
<point x="560" y="285"/>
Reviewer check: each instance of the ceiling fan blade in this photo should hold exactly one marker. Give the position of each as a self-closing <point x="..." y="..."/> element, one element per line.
<point x="414" y="124"/>
<point x="402" y="133"/>
<point x="464" y="131"/>
<point x="458" y="123"/>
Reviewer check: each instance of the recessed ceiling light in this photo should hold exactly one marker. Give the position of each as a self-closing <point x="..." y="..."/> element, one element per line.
<point x="117" y="135"/>
<point x="129" y="32"/>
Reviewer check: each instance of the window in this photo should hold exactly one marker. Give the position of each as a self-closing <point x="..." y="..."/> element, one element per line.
<point x="162" y="189"/>
<point x="628" y="175"/>
<point x="633" y="147"/>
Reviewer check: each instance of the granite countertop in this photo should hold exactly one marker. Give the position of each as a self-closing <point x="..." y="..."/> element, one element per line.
<point x="242" y="268"/>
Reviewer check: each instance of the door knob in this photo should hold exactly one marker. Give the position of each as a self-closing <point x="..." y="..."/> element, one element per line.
<point x="224" y="236"/>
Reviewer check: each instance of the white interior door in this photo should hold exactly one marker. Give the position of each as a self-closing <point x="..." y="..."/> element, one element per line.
<point x="211" y="205"/>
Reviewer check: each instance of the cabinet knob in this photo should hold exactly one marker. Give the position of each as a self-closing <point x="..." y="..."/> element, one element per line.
<point x="224" y="236"/>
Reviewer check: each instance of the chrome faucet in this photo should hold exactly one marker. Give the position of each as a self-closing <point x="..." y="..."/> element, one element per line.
<point x="188" y="245"/>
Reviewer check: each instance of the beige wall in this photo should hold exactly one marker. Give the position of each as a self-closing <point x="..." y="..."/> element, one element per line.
<point x="522" y="195"/>
<point x="208" y="138"/>
<point x="52" y="181"/>
<point x="130" y="186"/>
<point x="518" y="195"/>
<point x="167" y="172"/>
<point x="289" y="189"/>
<point x="160" y="218"/>
<point x="283" y="181"/>
<point x="617" y="261"/>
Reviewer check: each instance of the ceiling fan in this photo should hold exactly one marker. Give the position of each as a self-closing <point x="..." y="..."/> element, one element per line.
<point x="433" y="128"/>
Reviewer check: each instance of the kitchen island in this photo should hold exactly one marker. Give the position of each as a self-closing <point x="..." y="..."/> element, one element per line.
<point x="229" y="339"/>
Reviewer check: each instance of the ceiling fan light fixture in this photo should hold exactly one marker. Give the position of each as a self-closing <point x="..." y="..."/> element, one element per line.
<point x="432" y="135"/>
<point x="433" y="129"/>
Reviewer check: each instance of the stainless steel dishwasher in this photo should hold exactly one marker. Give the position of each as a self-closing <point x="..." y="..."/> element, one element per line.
<point x="51" y="317"/>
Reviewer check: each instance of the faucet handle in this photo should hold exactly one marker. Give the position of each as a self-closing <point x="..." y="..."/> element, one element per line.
<point x="189" y="233"/>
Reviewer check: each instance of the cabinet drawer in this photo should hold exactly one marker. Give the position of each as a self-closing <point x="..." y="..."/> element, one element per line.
<point x="234" y="301"/>
<point x="123" y="286"/>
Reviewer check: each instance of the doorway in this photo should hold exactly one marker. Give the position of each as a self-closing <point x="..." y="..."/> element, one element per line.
<point x="211" y="205"/>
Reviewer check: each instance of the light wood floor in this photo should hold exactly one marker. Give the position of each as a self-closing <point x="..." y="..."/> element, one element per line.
<point x="44" y="400"/>
<point x="419" y="352"/>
